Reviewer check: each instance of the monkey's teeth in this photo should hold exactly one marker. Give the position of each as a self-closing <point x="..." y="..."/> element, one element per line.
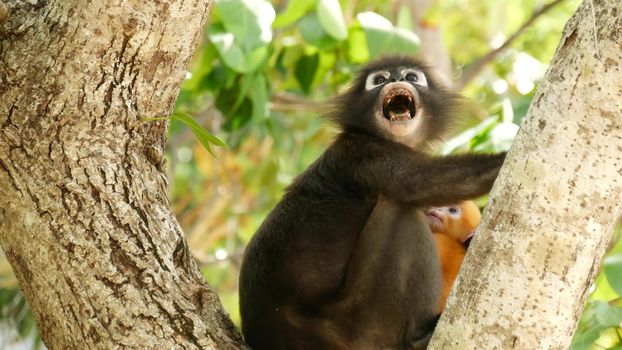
<point x="399" y="106"/>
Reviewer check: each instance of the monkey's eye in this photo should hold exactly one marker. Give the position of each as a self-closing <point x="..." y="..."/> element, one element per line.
<point x="453" y="211"/>
<point x="379" y="79"/>
<point x="412" y="77"/>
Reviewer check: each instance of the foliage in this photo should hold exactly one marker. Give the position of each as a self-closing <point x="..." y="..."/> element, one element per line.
<point x="600" y="327"/>
<point x="203" y="135"/>
<point x="17" y="325"/>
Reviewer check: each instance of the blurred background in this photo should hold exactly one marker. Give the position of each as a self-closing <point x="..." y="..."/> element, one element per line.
<point x="258" y="83"/>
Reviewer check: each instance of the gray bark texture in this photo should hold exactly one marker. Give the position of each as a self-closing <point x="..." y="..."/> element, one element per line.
<point x="553" y="208"/>
<point x="84" y="214"/>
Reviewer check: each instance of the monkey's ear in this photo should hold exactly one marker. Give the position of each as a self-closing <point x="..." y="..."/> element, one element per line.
<point x="467" y="242"/>
<point x="469" y="236"/>
<point x="335" y="110"/>
<point x="353" y="109"/>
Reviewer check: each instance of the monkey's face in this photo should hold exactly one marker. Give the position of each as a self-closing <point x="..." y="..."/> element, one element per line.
<point x="397" y="98"/>
<point x="445" y="219"/>
<point x="398" y="109"/>
<point x="457" y="221"/>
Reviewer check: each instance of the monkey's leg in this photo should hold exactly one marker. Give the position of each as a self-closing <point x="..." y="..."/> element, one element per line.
<point x="392" y="283"/>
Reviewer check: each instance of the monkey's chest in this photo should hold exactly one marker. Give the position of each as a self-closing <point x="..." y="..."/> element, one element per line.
<point x="396" y="274"/>
<point x="400" y="248"/>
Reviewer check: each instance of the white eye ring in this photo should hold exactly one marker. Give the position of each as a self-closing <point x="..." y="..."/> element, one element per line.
<point x="371" y="83"/>
<point x="421" y="79"/>
<point x="454" y="211"/>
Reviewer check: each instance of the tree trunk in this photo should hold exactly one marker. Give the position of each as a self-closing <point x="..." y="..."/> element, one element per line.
<point x="526" y="278"/>
<point x="84" y="212"/>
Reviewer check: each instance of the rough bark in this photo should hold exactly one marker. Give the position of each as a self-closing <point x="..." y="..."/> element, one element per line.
<point x="526" y="278"/>
<point x="84" y="213"/>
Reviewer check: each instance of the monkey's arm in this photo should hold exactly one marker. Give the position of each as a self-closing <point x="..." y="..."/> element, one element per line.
<point x="420" y="179"/>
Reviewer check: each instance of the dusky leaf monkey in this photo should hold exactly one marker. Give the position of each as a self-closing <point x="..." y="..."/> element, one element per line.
<point x="452" y="227"/>
<point x="346" y="259"/>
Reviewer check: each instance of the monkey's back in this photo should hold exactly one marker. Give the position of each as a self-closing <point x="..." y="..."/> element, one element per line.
<point x="298" y="255"/>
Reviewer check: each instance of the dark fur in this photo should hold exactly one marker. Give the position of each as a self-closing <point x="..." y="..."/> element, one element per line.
<point x="353" y="112"/>
<point x="346" y="260"/>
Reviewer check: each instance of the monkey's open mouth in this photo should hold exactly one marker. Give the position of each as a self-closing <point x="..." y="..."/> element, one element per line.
<point x="399" y="105"/>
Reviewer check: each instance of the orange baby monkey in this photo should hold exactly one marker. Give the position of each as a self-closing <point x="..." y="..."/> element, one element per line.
<point x="452" y="227"/>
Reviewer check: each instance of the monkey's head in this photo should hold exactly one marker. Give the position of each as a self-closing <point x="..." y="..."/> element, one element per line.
<point x="397" y="98"/>
<point x="457" y="221"/>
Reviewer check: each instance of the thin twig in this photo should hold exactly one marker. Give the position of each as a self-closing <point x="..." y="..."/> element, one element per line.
<point x="615" y="301"/>
<point x="288" y="102"/>
<point x="594" y="30"/>
<point x="475" y="68"/>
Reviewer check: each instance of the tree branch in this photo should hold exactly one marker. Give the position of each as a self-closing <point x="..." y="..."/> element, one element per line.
<point x="474" y="69"/>
<point x="288" y="102"/>
<point x="116" y="270"/>
<point x="535" y="253"/>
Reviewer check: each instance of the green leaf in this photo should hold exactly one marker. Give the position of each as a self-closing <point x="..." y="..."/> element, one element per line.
<point x="383" y="38"/>
<point x="602" y="289"/>
<point x="242" y="37"/>
<point x="357" y="45"/>
<point x="404" y="18"/>
<point x="245" y="84"/>
<point x="313" y="33"/>
<point x="608" y="315"/>
<point x="259" y="97"/>
<point x="331" y="18"/>
<point x="235" y="117"/>
<point x="205" y="137"/>
<point x="305" y="71"/>
<point x="583" y="341"/>
<point x="226" y="99"/>
<point x="215" y="80"/>
<point x="295" y="10"/>
<point x="202" y="69"/>
<point x="229" y="51"/>
<point x="241" y="116"/>
<point x="232" y="55"/>
<point x="326" y="68"/>
<point x="613" y="270"/>
<point x="250" y="21"/>
<point x="257" y="57"/>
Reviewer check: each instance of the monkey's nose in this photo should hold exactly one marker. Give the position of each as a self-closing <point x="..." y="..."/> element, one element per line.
<point x="393" y="80"/>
